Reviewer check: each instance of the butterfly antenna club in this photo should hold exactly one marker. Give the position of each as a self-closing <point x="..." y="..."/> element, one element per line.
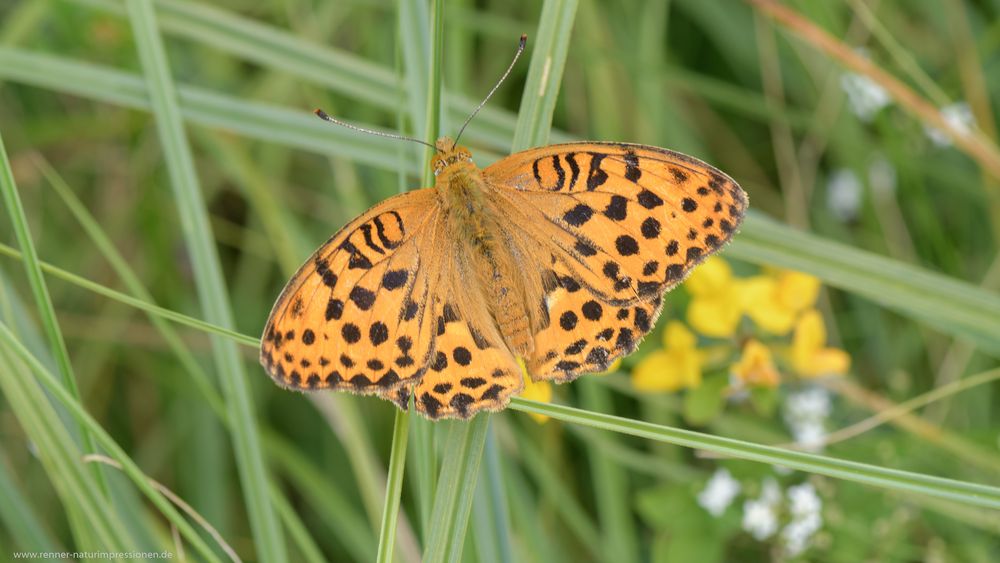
<point x="326" y="117"/>
<point x="520" y="49"/>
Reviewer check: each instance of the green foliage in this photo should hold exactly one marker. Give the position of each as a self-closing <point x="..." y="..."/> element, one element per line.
<point x="162" y="175"/>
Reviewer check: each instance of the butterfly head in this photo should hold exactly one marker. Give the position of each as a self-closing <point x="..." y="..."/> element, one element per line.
<point x="448" y="154"/>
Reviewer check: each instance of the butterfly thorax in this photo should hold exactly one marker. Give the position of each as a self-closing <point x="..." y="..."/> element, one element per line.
<point x="494" y="280"/>
<point x="460" y="188"/>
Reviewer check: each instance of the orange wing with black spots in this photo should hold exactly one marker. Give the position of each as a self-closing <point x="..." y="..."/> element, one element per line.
<point x="623" y="223"/>
<point x="629" y="221"/>
<point x="471" y="368"/>
<point x="559" y="254"/>
<point x="355" y="316"/>
<point x="586" y="334"/>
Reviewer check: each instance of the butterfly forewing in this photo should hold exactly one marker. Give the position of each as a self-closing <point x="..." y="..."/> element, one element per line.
<point x="623" y="223"/>
<point x="630" y="220"/>
<point x="355" y="315"/>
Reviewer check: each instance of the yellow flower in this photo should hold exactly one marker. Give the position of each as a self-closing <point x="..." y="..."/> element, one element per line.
<point x="756" y="366"/>
<point x="716" y="299"/>
<point x="774" y="301"/>
<point x="541" y="392"/>
<point x="810" y="355"/>
<point x="796" y="290"/>
<point x="676" y="366"/>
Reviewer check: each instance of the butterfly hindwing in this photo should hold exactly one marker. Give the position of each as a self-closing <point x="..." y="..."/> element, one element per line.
<point x="586" y="334"/>
<point x="471" y="369"/>
<point x="630" y="221"/>
<point x="354" y="317"/>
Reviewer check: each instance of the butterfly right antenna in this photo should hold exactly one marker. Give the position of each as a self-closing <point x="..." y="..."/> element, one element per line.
<point x="520" y="49"/>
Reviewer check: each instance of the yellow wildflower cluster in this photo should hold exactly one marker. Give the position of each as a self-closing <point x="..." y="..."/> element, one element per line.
<point x="777" y="302"/>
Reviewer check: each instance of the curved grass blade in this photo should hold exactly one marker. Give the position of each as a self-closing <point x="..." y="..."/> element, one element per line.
<point x="903" y="481"/>
<point x="211" y="289"/>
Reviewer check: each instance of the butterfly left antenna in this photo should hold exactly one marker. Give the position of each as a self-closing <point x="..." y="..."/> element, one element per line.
<point x="520" y="49"/>
<point x="324" y="116"/>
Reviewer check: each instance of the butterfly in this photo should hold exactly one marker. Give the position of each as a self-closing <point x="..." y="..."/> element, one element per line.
<point x="557" y="255"/>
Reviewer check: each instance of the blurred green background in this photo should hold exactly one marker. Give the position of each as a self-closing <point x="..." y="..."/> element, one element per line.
<point x="830" y="118"/>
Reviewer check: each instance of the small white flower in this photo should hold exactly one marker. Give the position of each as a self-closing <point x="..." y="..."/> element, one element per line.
<point x="805" y="413"/>
<point x="798" y="532"/>
<point x="811" y="403"/>
<point x="805" y="507"/>
<point x="719" y="492"/>
<point x="865" y="96"/>
<point x="760" y="516"/>
<point x="809" y="435"/>
<point x="759" y="519"/>
<point x="843" y="194"/>
<point x="803" y="500"/>
<point x="959" y="117"/>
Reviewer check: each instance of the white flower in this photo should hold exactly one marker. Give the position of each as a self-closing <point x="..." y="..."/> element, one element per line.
<point x="959" y="117"/>
<point x="809" y="435"/>
<point x="803" y="500"/>
<point x="864" y="95"/>
<point x="843" y="194"/>
<point x="759" y="519"/>
<point x="760" y="516"/>
<point x="804" y="506"/>
<point x="805" y="413"/>
<point x="797" y="533"/>
<point x="719" y="492"/>
<point x="810" y="403"/>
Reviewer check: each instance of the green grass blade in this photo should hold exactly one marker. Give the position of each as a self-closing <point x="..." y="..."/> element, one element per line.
<point x="456" y="489"/>
<point x="548" y="58"/>
<point x="140" y="304"/>
<point x="393" y="487"/>
<point x="902" y="481"/>
<point x="40" y="292"/>
<point x="413" y="28"/>
<point x="267" y="532"/>
<point x="35" y="407"/>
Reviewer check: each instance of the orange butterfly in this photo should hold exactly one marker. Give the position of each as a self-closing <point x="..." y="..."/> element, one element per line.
<point x="559" y="255"/>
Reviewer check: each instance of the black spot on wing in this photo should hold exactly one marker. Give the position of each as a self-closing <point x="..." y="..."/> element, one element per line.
<point x="632" y="171"/>
<point x="596" y="176"/>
